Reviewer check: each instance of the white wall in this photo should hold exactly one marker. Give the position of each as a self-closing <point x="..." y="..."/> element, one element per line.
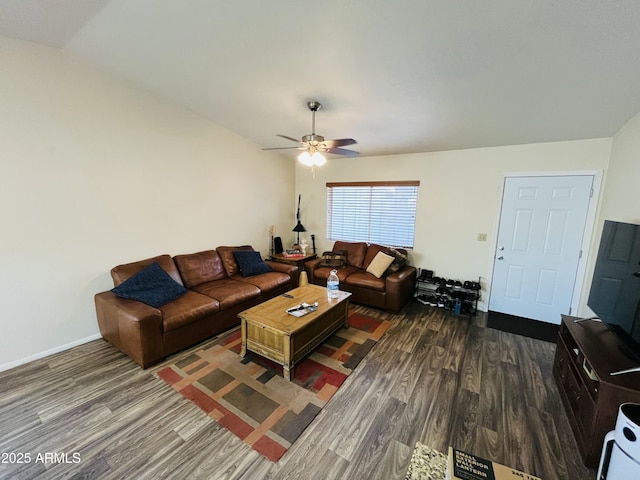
<point x="96" y="172"/>
<point x="621" y="200"/>
<point x="621" y="192"/>
<point x="459" y="195"/>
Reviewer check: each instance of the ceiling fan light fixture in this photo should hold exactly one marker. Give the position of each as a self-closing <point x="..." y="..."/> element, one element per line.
<point x="312" y="159"/>
<point x="318" y="159"/>
<point x="305" y="159"/>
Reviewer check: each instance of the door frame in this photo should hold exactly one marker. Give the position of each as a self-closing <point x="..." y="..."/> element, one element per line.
<point x="587" y="237"/>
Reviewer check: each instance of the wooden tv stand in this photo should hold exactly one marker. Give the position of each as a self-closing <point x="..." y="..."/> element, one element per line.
<point x="586" y="354"/>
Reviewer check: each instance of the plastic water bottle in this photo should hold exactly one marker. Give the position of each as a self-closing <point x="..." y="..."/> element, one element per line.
<point x="458" y="307"/>
<point x="333" y="284"/>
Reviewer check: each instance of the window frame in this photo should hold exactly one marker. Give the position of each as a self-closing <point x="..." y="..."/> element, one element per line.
<point x="366" y="234"/>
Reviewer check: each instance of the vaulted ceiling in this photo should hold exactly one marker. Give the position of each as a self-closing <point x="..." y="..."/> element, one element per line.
<point x="398" y="76"/>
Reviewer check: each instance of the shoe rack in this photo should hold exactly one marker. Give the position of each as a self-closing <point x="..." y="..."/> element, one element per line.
<point x="460" y="297"/>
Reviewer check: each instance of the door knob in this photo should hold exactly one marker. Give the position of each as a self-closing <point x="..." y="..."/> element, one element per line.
<point x="500" y="257"/>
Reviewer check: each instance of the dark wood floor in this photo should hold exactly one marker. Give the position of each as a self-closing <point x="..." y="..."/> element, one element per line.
<point x="434" y="377"/>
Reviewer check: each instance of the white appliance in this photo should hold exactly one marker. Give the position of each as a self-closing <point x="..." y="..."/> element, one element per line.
<point x="620" y="458"/>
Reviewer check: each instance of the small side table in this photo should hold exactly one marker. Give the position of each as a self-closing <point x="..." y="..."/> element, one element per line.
<point x="297" y="260"/>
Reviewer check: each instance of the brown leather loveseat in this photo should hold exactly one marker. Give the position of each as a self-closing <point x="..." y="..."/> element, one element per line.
<point x="212" y="289"/>
<point x="390" y="291"/>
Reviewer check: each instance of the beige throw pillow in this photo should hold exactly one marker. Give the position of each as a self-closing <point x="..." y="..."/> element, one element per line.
<point x="379" y="264"/>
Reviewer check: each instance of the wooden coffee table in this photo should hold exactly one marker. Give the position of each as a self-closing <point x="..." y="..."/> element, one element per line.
<point x="268" y="330"/>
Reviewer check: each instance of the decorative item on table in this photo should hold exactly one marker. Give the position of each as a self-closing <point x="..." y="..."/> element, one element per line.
<point x="278" y="245"/>
<point x="303" y="246"/>
<point x="313" y="243"/>
<point x="272" y="231"/>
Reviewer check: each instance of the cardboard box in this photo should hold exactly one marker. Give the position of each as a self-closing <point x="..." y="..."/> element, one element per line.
<point x="465" y="466"/>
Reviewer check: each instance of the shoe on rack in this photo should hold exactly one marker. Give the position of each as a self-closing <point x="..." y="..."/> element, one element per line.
<point x="467" y="284"/>
<point x="458" y="283"/>
<point x="432" y="301"/>
<point x="459" y="294"/>
<point x="425" y="275"/>
<point x="468" y="308"/>
<point x="442" y="290"/>
<point x="422" y="299"/>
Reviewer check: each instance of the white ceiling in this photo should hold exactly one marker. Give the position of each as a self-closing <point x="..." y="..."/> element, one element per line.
<point x="398" y="76"/>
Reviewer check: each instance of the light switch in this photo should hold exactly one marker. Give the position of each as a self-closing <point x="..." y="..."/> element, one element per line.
<point x="482" y="237"/>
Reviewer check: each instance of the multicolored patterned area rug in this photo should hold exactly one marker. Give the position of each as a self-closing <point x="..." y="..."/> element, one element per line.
<point x="250" y="397"/>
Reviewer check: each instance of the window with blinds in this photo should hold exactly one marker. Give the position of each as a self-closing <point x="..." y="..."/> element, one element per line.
<point x="372" y="212"/>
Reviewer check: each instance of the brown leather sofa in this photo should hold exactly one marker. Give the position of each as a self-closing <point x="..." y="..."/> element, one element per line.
<point x="216" y="293"/>
<point x="389" y="292"/>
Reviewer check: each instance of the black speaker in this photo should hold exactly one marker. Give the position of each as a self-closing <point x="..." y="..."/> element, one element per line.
<point x="277" y="245"/>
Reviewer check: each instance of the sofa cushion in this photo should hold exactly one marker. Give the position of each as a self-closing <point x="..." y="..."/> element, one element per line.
<point x="400" y="260"/>
<point x="201" y="267"/>
<point x="121" y="272"/>
<point x="379" y="264"/>
<point x="266" y="281"/>
<point x="228" y="292"/>
<point x="151" y="285"/>
<point x="372" y="251"/>
<point x="334" y="259"/>
<point x="250" y="263"/>
<point x="322" y="273"/>
<point x="229" y="261"/>
<point x="355" y="251"/>
<point x="366" y="280"/>
<point x="187" y="309"/>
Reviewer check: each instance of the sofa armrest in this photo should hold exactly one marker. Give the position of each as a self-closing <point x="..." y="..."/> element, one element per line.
<point x="133" y="327"/>
<point x="310" y="267"/>
<point x="400" y="287"/>
<point x="291" y="270"/>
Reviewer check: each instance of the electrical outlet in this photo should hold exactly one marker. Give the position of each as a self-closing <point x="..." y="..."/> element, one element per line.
<point x="482" y="237"/>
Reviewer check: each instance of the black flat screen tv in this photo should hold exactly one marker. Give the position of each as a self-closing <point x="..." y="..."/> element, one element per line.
<point x="615" y="289"/>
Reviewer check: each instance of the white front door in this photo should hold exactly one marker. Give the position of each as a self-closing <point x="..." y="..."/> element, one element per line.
<point x="538" y="248"/>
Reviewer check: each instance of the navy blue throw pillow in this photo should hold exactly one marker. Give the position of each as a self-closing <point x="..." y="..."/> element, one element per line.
<point x="152" y="286"/>
<point x="251" y="263"/>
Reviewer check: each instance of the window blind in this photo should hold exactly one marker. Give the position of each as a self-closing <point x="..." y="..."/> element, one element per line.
<point x="372" y="212"/>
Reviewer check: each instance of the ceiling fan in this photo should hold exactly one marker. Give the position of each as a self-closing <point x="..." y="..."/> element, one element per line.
<point x="315" y="145"/>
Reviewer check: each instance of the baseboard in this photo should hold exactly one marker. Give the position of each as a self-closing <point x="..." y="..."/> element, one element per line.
<point x="523" y="326"/>
<point x="46" y="353"/>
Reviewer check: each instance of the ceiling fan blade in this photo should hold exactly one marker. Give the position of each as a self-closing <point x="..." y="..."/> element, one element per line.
<point x="285" y="148"/>
<point x="289" y="138"/>
<point x="340" y="142"/>
<point x="343" y="151"/>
